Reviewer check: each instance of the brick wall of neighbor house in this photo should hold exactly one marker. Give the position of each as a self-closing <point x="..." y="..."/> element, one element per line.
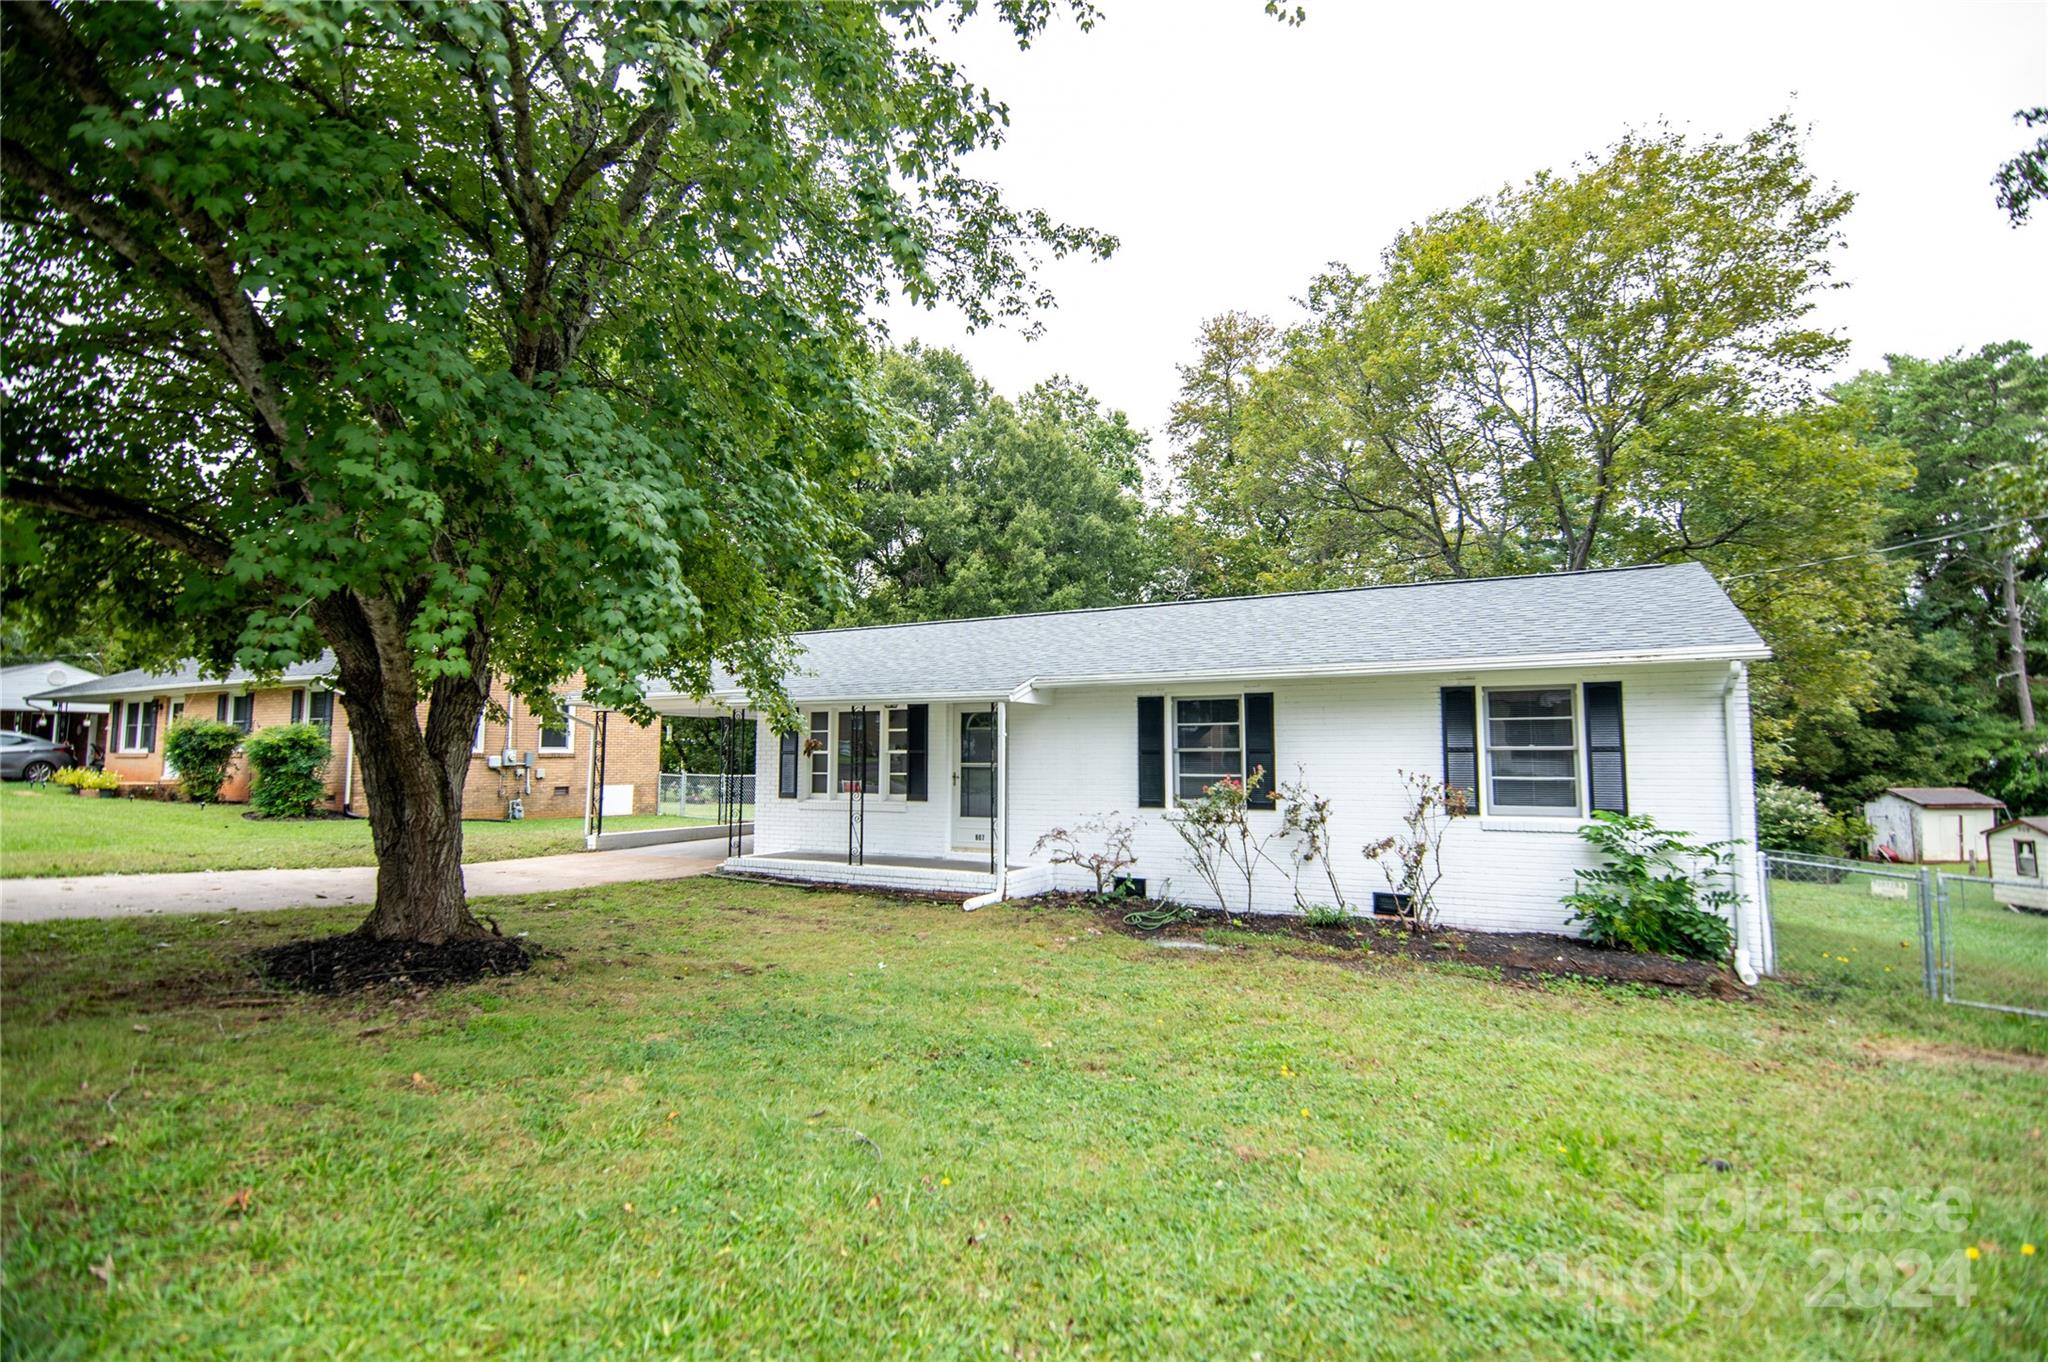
<point x="1350" y="739"/>
<point x="133" y="767"/>
<point x="557" y="790"/>
<point x="558" y="784"/>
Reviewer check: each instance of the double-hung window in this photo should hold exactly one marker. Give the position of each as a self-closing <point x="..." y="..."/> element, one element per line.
<point x="819" y="745"/>
<point x="1208" y="744"/>
<point x="899" y="753"/>
<point x="559" y="737"/>
<point x="138" y="726"/>
<point x="2026" y="860"/>
<point x="1532" y="752"/>
<point x="314" y="707"/>
<point x="239" y="710"/>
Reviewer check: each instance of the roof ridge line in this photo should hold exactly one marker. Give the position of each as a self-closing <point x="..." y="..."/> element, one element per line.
<point x="1264" y="596"/>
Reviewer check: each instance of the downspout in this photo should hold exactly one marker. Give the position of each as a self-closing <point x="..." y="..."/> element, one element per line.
<point x="1002" y="800"/>
<point x="348" y="776"/>
<point x="1741" y="828"/>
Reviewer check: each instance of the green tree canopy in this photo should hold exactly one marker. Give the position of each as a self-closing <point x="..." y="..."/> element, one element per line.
<point x="982" y="506"/>
<point x="520" y="336"/>
<point x="1606" y="367"/>
<point x="1956" y="704"/>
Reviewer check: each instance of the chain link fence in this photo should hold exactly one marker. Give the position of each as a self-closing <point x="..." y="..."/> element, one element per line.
<point x="682" y="794"/>
<point x="1856" y="925"/>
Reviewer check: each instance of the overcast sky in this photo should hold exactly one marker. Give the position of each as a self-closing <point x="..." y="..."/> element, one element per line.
<point x="1235" y="156"/>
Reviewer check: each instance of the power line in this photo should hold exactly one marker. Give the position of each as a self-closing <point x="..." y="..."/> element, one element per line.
<point x="1889" y="548"/>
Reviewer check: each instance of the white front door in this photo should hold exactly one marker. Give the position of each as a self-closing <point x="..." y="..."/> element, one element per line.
<point x="974" y="779"/>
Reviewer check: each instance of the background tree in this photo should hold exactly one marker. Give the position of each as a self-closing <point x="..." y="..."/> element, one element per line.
<point x="1224" y="543"/>
<point x="2023" y="181"/>
<point x="1957" y="704"/>
<point x="1609" y="367"/>
<point x="982" y="506"/>
<point x="507" y="336"/>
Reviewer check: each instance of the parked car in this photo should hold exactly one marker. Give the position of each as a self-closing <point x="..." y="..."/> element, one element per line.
<point x="23" y="756"/>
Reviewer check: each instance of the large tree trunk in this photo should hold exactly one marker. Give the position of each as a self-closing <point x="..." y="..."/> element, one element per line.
<point x="2016" y="641"/>
<point x="412" y="773"/>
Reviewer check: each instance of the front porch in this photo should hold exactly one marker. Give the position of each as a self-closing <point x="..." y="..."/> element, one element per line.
<point x="970" y="875"/>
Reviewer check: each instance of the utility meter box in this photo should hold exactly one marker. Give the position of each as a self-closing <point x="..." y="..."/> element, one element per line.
<point x="494" y="761"/>
<point x="515" y="810"/>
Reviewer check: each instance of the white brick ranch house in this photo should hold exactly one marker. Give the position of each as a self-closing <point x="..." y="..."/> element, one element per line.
<point x="933" y="756"/>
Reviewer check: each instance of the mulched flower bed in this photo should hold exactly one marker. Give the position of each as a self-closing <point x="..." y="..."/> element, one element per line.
<point x="1521" y="957"/>
<point x="349" y="963"/>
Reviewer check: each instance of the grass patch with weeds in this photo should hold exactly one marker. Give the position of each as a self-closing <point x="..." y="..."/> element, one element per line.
<point x="727" y="1119"/>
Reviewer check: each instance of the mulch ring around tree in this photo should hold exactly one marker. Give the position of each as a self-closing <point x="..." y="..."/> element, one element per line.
<point x="352" y="962"/>
<point x="1520" y="957"/>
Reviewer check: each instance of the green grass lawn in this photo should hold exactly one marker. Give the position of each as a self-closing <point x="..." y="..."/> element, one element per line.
<point x="52" y="832"/>
<point x="731" y="1119"/>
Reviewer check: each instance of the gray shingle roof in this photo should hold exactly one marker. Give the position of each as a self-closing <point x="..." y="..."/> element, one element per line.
<point x="1944" y="797"/>
<point x="1646" y="614"/>
<point x="186" y="675"/>
<point x="2037" y="824"/>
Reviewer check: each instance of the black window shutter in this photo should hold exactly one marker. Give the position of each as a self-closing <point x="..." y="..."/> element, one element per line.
<point x="220" y="708"/>
<point x="786" y="780"/>
<point x="1258" y="747"/>
<point x="1461" y="742"/>
<point x="149" y="725"/>
<point x="114" y="739"/>
<point x="917" y="724"/>
<point x="298" y="706"/>
<point x="1606" y="764"/>
<point x="1151" y="751"/>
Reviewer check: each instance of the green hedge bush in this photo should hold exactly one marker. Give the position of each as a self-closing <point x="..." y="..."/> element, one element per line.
<point x="1790" y="818"/>
<point x="201" y="750"/>
<point x="290" y="766"/>
<point x="1658" y="892"/>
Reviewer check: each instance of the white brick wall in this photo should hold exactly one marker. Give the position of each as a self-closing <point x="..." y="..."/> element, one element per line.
<point x="1349" y="738"/>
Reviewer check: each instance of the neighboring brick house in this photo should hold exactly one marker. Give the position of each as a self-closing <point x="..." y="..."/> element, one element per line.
<point x="551" y="783"/>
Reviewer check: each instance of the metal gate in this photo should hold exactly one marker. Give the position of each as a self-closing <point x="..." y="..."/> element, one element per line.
<point x="1991" y="947"/>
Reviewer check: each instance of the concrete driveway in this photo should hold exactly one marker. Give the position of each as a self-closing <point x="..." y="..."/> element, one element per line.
<point x="229" y="891"/>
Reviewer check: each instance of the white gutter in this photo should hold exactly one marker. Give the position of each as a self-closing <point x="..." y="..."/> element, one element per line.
<point x="1749" y="946"/>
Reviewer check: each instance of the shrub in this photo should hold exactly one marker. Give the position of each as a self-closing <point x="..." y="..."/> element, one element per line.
<point x="1658" y="892"/>
<point x="290" y="767"/>
<point x="1074" y="846"/>
<point x="1221" y="842"/>
<point x="1305" y="815"/>
<point x="1789" y="818"/>
<point x="1413" y="860"/>
<point x="201" y="749"/>
<point x="1325" y="915"/>
<point x="85" y="778"/>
